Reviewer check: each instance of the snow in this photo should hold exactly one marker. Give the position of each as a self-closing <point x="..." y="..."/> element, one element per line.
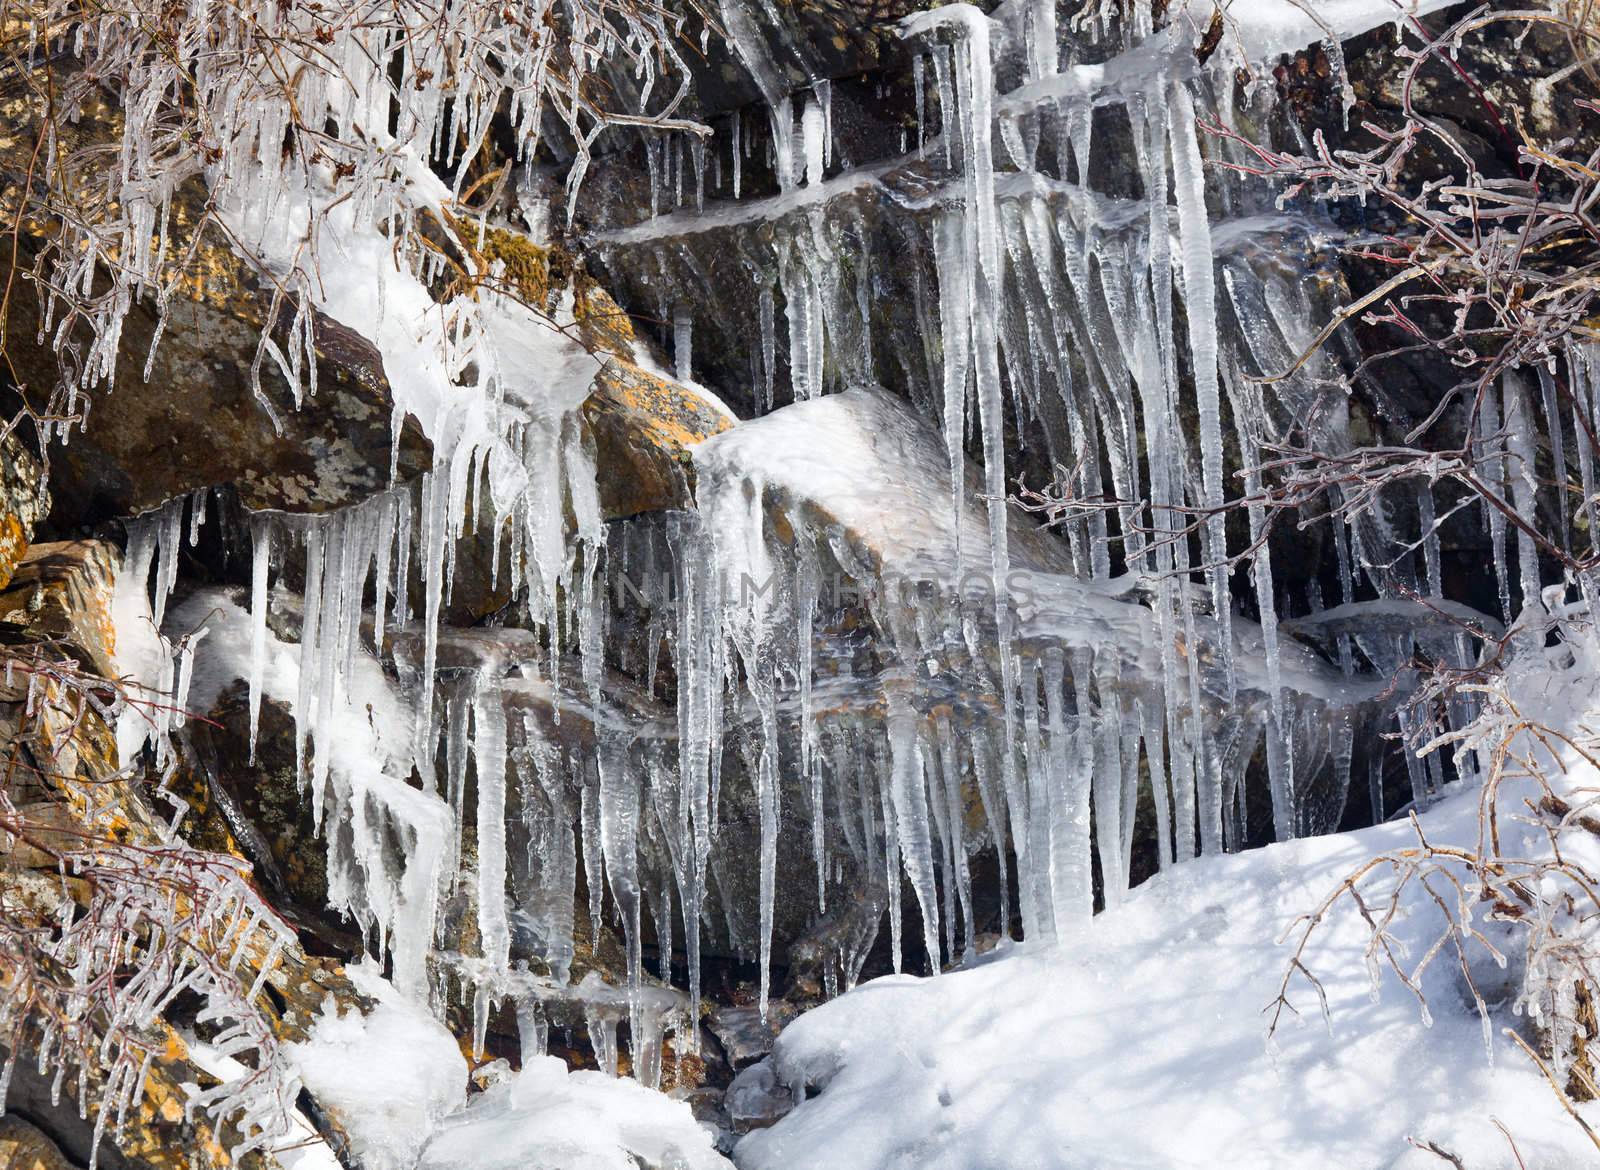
<point x="1138" y="1042"/>
<point x="548" y="1118"/>
<point x="388" y="1076"/>
<point x="1138" y="1039"/>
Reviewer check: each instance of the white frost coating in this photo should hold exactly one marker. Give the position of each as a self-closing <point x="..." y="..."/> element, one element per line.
<point x="388" y="1076"/>
<point x="548" y="1118"/>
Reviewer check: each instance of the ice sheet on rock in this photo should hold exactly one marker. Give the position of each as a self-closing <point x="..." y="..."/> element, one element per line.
<point x="1265" y="28"/>
<point x="548" y="1117"/>
<point x="878" y="473"/>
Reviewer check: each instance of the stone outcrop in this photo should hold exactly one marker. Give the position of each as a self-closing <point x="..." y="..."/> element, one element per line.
<point x="64" y="781"/>
<point x="193" y="421"/>
<point x="643" y="426"/>
<point x="61" y="591"/>
<point x="22" y="1147"/>
<point x="23" y="502"/>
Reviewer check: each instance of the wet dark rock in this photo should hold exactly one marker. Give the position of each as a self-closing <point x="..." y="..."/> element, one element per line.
<point x="23" y="1147"/>
<point x="745" y="1037"/>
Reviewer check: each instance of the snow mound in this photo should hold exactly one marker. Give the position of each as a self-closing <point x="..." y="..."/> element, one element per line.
<point x="1139" y="1043"/>
<point x="546" y="1118"/>
<point x="388" y="1077"/>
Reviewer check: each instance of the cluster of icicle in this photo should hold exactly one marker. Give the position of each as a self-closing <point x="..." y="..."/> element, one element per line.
<point x="266" y="100"/>
<point x="1054" y="308"/>
<point x="1050" y="297"/>
<point x="1033" y="269"/>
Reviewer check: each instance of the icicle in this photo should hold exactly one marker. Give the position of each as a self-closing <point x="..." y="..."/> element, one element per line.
<point x="1199" y="292"/>
<point x="911" y="817"/>
<point x="1043" y="49"/>
<point x="1489" y="447"/>
<point x="1519" y="429"/>
<point x="814" y="136"/>
<point x="919" y="83"/>
<point x="260" y="563"/>
<point x="489" y="757"/>
<point x="955" y="318"/>
<point x="955" y="814"/>
<point x="782" y="115"/>
<point x="683" y="342"/>
<point x="769" y="347"/>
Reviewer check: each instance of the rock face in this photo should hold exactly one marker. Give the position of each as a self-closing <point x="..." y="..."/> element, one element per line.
<point x="62" y="776"/>
<point x="196" y="423"/>
<point x="643" y="427"/>
<point x="23" y="502"/>
<point x="62" y="591"/>
<point x="22" y="1147"/>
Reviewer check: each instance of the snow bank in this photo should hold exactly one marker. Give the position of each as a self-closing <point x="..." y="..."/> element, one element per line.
<point x="1140" y="1043"/>
<point x="388" y="1077"/>
<point x="550" y="1119"/>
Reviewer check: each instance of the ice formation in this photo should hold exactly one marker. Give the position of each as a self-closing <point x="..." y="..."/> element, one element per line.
<point x="389" y="1075"/>
<point x="1020" y="690"/>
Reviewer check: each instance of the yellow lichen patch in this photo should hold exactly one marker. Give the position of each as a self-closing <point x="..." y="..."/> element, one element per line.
<point x="604" y="324"/>
<point x="13" y="545"/>
<point x="643" y="426"/>
<point x="526" y="265"/>
<point x="675" y="416"/>
<point x="174" y="1049"/>
<point x="171" y="1109"/>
